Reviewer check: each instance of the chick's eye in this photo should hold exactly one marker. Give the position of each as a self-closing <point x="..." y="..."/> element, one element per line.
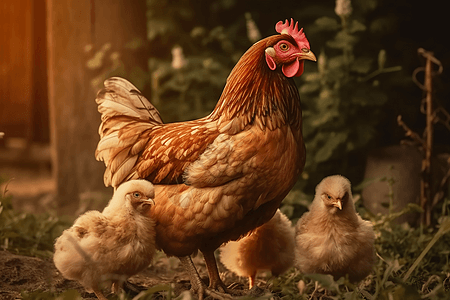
<point x="284" y="47"/>
<point x="329" y="197"/>
<point x="136" y="195"/>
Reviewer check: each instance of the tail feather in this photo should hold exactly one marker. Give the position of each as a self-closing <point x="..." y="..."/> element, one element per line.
<point x="105" y="144"/>
<point x="126" y="115"/>
<point x="120" y="97"/>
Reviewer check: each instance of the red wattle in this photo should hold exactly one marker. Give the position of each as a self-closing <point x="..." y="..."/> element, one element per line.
<point x="300" y="69"/>
<point x="292" y="69"/>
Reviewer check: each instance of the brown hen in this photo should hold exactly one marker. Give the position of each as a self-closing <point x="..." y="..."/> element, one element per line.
<point x="221" y="176"/>
<point x="332" y="238"/>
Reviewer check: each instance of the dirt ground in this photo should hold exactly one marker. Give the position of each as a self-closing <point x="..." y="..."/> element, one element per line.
<point x="29" y="274"/>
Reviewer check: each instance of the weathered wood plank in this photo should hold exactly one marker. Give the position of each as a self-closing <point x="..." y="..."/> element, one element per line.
<point x="74" y="26"/>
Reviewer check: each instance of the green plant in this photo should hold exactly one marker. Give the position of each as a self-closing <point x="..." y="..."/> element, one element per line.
<point x="26" y="233"/>
<point x="343" y="99"/>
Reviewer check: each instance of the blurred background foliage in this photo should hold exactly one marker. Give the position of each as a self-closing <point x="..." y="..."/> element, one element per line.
<point x="367" y="50"/>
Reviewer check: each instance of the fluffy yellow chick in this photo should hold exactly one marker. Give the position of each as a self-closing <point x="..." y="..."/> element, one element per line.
<point x="112" y="245"/>
<point x="332" y="238"/>
<point x="269" y="247"/>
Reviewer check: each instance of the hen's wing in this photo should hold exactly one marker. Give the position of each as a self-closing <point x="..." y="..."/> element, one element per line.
<point x="171" y="149"/>
<point x="134" y="143"/>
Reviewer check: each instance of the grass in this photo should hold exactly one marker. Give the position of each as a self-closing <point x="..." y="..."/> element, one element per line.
<point x="413" y="263"/>
<point x="28" y="234"/>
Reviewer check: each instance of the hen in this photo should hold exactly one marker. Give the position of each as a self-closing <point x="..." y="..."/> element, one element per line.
<point x="332" y="238"/>
<point x="218" y="177"/>
<point x="271" y="246"/>
<point x="118" y="242"/>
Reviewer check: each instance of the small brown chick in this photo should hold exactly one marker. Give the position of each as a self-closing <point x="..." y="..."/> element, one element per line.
<point x="269" y="247"/>
<point x="112" y="245"/>
<point x="332" y="238"/>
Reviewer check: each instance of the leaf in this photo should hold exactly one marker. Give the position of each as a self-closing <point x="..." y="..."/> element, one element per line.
<point x="336" y="62"/>
<point x="366" y="294"/>
<point x="325" y="118"/>
<point x="342" y="40"/>
<point x="381" y="59"/>
<point x="327" y="23"/>
<point x="362" y="65"/>
<point x="139" y="77"/>
<point x="153" y="290"/>
<point x="326" y="100"/>
<point x="325" y="280"/>
<point x="158" y="27"/>
<point x="357" y="26"/>
<point x="366" y="96"/>
<point x="333" y="141"/>
<point x="310" y="87"/>
<point x="312" y="76"/>
<point x="443" y="229"/>
<point x="403" y="291"/>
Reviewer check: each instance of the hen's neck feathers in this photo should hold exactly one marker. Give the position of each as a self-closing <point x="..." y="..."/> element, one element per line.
<point x="256" y="94"/>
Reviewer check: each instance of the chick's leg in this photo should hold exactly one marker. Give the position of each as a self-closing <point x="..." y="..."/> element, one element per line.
<point x="197" y="285"/>
<point x="251" y="280"/>
<point x="99" y="294"/>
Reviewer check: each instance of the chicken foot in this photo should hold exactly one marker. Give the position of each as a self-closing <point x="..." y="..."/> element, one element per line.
<point x="99" y="294"/>
<point x="214" y="279"/>
<point x="197" y="285"/>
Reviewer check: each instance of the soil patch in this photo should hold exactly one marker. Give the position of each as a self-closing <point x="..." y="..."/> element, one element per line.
<point x="31" y="274"/>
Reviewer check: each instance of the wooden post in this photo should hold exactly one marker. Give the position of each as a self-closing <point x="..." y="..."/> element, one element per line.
<point x="425" y="188"/>
<point x="73" y="26"/>
<point x="425" y="143"/>
<point x="16" y="68"/>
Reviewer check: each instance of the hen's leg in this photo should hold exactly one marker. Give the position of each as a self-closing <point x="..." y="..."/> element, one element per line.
<point x="197" y="285"/>
<point x="214" y="279"/>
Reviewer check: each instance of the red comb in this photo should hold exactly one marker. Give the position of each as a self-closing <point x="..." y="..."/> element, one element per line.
<point x="293" y="31"/>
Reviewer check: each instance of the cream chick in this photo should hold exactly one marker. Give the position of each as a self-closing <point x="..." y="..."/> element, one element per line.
<point x="269" y="247"/>
<point x="332" y="238"/>
<point x="112" y="245"/>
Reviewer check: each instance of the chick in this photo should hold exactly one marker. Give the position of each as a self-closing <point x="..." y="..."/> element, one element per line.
<point x="332" y="238"/>
<point x="112" y="245"/>
<point x="269" y="247"/>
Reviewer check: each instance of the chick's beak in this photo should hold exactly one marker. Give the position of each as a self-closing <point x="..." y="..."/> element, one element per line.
<point x="338" y="204"/>
<point x="307" y="54"/>
<point x="150" y="201"/>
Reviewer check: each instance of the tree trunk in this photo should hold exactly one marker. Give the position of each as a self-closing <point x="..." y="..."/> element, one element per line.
<point x="76" y="29"/>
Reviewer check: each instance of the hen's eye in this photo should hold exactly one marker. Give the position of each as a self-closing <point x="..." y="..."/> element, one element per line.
<point x="136" y="195"/>
<point x="284" y="47"/>
<point x="329" y="197"/>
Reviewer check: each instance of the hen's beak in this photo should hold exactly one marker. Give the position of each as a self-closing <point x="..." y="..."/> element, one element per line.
<point x="338" y="204"/>
<point x="307" y="54"/>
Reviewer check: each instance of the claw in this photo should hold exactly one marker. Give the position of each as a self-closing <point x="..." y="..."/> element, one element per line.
<point x="198" y="287"/>
<point x="99" y="294"/>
